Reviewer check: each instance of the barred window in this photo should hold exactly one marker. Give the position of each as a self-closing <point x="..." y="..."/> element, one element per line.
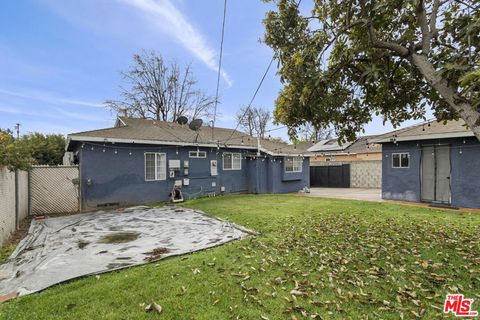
<point x="293" y="164"/>
<point x="155" y="166"/>
<point x="232" y="161"/>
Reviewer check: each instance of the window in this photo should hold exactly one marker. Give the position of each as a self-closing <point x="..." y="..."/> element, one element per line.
<point x="155" y="166"/>
<point x="400" y="160"/>
<point x="232" y="161"/>
<point x="197" y="154"/>
<point x="293" y="164"/>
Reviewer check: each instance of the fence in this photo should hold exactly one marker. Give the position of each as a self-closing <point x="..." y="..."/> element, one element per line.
<point x="363" y="174"/>
<point x="13" y="201"/>
<point x="53" y="189"/>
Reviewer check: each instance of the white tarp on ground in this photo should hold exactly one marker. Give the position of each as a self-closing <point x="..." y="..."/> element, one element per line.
<point x="63" y="248"/>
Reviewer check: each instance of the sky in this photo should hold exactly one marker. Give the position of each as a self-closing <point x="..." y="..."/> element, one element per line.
<point x="61" y="59"/>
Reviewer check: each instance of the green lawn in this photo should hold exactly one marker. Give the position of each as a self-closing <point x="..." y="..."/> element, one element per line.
<point x="332" y="258"/>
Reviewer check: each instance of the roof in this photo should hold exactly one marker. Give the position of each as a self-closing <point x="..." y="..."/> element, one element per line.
<point x="361" y="145"/>
<point x="144" y="131"/>
<point x="427" y="130"/>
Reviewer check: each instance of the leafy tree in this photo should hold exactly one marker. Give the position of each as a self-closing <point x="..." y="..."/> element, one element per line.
<point x="44" y="149"/>
<point x="160" y="91"/>
<point x="13" y="155"/>
<point x="254" y="120"/>
<point x="346" y="61"/>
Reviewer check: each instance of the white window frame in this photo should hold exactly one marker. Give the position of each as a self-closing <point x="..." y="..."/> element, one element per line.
<point x="196" y="154"/>
<point x="159" y="175"/>
<point x="296" y="167"/>
<point x="400" y="160"/>
<point x="238" y="163"/>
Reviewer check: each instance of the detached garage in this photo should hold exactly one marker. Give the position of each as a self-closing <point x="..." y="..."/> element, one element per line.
<point x="432" y="162"/>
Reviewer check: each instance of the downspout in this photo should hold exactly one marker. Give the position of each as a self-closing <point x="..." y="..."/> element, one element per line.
<point x="17" y="223"/>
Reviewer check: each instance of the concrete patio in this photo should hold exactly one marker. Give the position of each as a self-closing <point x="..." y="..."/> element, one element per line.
<point x="364" y="194"/>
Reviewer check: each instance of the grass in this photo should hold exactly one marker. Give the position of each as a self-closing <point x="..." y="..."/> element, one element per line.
<point x="6" y="251"/>
<point x="119" y="237"/>
<point x="320" y="258"/>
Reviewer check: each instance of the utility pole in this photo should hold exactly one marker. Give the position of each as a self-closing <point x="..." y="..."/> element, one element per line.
<point x="17" y="129"/>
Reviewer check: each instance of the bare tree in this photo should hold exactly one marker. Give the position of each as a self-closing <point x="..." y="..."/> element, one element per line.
<point x="308" y="132"/>
<point x="254" y="120"/>
<point x="160" y="91"/>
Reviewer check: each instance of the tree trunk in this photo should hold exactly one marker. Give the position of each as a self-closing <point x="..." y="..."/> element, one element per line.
<point x="459" y="105"/>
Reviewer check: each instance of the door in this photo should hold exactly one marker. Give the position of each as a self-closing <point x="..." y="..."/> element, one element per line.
<point x="436" y="174"/>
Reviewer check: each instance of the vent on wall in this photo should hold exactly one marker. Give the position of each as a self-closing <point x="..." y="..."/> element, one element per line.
<point x="110" y="204"/>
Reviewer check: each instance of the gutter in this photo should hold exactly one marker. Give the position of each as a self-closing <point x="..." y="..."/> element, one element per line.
<point x="461" y="134"/>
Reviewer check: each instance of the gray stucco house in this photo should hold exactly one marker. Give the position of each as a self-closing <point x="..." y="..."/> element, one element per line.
<point x="432" y="162"/>
<point x="142" y="161"/>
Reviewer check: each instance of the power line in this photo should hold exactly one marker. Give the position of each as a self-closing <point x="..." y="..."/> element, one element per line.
<point x="253" y="98"/>
<point x="256" y="91"/>
<point x="219" y="67"/>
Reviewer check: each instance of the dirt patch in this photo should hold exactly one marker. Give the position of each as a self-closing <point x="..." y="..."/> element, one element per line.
<point x="14" y="239"/>
<point x="119" y="237"/>
<point x="156" y="253"/>
<point x="82" y="244"/>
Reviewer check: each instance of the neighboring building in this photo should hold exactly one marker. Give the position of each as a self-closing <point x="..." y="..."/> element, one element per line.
<point x="140" y="161"/>
<point x="359" y="150"/>
<point x="355" y="164"/>
<point x="432" y="162"/>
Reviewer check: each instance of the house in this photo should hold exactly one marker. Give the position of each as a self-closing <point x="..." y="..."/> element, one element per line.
<point x="359" y="150"/>
<point x="354" y="164"/>
<point x="432" y="162"/>
<point x="144" y="161"/>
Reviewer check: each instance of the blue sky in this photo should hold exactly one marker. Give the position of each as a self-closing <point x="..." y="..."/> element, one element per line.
<point x="60" y="59"/>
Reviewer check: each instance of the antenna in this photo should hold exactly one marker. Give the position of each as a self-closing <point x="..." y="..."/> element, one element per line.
<point x="182" y="120"/>
<point x="195" y="124"/>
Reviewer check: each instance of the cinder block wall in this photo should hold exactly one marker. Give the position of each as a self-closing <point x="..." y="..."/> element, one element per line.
<point x="363" y="174"/>
<point x="366" y="174"/>
<point x="9" y="201"/>
<point x="7" y="204"/>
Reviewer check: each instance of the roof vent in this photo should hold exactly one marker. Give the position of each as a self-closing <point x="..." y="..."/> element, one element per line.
<point x="182" y="120"/>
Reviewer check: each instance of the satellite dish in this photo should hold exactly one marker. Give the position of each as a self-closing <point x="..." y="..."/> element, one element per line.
<point x="182" y="120"/>
<point x="195" y="124"/>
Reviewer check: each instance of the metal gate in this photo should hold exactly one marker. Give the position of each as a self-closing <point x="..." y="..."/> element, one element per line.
<point x="332" y="176"/>
<point x="53" y="189"/>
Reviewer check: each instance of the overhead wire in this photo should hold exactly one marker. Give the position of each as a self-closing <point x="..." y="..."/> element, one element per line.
<point x="219" y="68"/>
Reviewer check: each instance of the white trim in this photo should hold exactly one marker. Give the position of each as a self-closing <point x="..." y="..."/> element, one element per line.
<point x="119" y="121"/>
<point x="400" y="160"/>
<point x="427" y="136"/>
<point x="197" y="152"/>
<point x="232" y="168"/>
<point x="156" y="166"/>
<point x="293" y="164"/>
<point x="180" y="144"/>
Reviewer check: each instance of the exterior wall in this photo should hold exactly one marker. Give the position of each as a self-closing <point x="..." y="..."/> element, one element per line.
<point x="349" y="158"/>
<point x="363" y="174"/>
<point x="405" y="183"/>
<point x="118" y="178"/>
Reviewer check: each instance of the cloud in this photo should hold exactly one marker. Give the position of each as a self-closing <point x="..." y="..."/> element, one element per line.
<point x="51" y="98"/>
<point x="168" y="18"/>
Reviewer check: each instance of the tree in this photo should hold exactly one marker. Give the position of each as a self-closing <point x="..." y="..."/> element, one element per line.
<point x="44" y="149"/>
<point x="13" y="155"/>
<point x="349" y="60"/>
<point x="160" y="91"/>
<point x="308" y="132"/>
<point x="254" y="120"/>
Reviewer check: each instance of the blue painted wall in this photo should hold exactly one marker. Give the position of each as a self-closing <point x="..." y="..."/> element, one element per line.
<point x="405" y="183"/>
<point x="117" y="175"/>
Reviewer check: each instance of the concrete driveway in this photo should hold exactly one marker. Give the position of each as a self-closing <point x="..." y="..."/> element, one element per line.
<point x="57" y="249"/>
<point x="364" y="194"/>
